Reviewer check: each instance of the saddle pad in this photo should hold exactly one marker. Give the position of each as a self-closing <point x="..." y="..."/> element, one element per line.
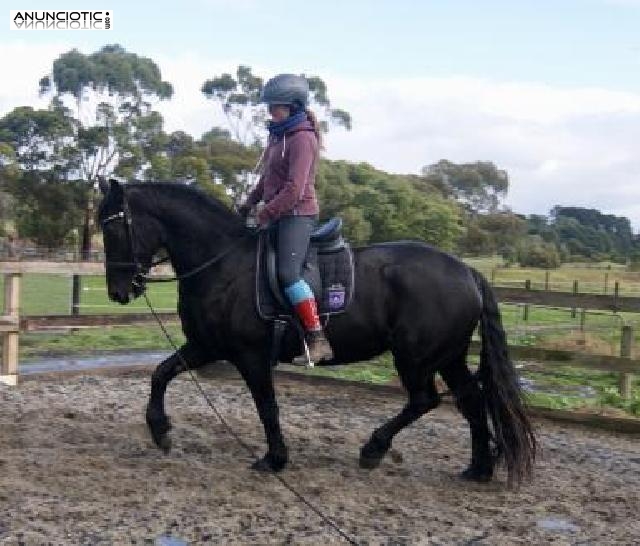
<point x="329" y="274"/>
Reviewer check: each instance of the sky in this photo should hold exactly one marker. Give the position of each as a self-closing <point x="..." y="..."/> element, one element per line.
<point x="548" y="90"/>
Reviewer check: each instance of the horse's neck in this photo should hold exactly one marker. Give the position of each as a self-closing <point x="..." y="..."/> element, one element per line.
<point x="193" y="237"/>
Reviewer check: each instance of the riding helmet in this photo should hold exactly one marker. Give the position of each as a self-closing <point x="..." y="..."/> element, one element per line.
<point x="286" y="89"/>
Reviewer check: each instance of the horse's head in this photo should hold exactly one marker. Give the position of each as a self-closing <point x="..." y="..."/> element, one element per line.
<point x="129" y="243"/>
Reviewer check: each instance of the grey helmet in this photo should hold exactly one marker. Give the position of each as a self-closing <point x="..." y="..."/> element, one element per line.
<point x="286" y="89"/>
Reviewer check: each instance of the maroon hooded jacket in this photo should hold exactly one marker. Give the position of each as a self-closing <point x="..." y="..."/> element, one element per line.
<point x="287" y="181"/>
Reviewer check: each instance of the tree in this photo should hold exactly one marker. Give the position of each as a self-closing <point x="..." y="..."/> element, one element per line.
<point x="37" y="160"/>
<point x="534" y="252"/>
<point x="215" y="162"/>
<point x="594" y="232"/>
<point x="479" y="186"/>
<point x="46" y="209"/>
<point x="113" y="91"/>
<point x="381" y="206"/>
<point x="239" y="100"/>
<point x="39" y="139"/>
<point x="504" y="229"/>
<point x="228" y="160"/>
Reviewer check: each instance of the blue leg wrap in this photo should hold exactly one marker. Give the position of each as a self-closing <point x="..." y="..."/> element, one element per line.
<point x="297" y="292"/>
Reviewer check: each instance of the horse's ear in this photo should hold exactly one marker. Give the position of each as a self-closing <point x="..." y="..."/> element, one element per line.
<point x="115" y="188"/>
<point x="103" y="185"/>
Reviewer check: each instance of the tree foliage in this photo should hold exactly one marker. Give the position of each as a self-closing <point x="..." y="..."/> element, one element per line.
<point x="532" y="251"/>
<point x="382" y="206"/>
<point x="479" y="186"/>
<point x="113" y="91"/>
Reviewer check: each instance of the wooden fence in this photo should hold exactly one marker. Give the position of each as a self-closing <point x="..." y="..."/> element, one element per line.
<point x="11" y="323"/>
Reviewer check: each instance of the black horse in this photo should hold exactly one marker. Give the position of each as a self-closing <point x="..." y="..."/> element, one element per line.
<point x="414" y="300"/>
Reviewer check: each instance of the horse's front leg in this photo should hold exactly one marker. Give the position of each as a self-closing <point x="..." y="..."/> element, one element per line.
<point x="258" y="376"/>
<point x="157" y="420"/>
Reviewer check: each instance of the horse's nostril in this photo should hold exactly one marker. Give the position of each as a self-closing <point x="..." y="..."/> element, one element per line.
<point x="119" y="297"/>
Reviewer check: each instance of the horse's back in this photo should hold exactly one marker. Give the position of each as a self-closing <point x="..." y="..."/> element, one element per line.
<point x="417" y="263"/>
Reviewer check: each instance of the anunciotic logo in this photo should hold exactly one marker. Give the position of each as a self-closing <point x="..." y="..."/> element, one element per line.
<point x="60" y="20"/>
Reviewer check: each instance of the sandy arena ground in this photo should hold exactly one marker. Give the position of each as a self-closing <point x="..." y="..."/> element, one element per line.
<point x="78" y="467"/>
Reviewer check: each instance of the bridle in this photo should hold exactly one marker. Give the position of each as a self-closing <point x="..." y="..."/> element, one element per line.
<point x="140" y="277"/>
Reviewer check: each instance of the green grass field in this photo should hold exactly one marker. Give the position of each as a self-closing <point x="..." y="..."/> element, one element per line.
<point x="596" y="278"/>
<point x="593" y="332"/>
<point x="51" y="295"/>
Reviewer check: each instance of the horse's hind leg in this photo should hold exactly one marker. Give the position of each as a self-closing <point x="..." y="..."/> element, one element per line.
<point x="423" y="396"/>
<point x="470" y="401"/>
<point x="157" y="420"/>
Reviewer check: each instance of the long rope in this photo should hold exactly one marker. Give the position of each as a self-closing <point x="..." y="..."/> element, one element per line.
<point x="326" y="519"/>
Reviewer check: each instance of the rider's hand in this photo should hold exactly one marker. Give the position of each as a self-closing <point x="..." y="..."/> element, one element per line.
<point x="261" y="215"/>
<point x="244" y="210"/>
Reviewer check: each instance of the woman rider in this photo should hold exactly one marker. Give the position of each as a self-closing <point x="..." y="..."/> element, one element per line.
<point x="286" y="187"/>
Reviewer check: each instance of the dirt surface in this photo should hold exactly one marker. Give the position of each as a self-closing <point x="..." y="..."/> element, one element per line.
<point x="78" y="467"/>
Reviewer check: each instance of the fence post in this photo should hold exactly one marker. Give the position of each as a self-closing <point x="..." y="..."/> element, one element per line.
<point x="547" y="274"/>
<point x="575" y="291"/>
<point x="525" y="313"/>
<point x="493" y="276"/>
<point x="75" y="294"/>
<point x="11" y="311"/>
<point x="626" y="347"/>
<point x="606" y="282"/>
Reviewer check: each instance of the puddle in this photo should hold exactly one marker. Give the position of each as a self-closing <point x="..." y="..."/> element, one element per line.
<point x="111" y="360"/>
<point x="167" y="540"/>
<point x="557" y="525"/>
<point x="531" y="386"/>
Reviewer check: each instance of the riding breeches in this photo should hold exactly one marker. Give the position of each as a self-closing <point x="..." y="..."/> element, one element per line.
<point x="294" y="234"/>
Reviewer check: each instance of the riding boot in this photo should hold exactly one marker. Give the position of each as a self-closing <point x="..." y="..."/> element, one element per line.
<point x="319" y="348"/>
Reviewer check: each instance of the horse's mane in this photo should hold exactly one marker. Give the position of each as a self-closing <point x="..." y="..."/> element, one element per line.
<point x="198" y="200"/>
<point x="192" y="193"/>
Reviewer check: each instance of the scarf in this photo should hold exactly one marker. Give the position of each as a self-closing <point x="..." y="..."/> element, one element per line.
<point x="279" y="128"/>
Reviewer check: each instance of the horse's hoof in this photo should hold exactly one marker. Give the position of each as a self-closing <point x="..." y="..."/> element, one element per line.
<point x="159" y="429"/>
<point x="473" y="474"/>
<point x="164" y="443"/>
<point x="269" y="463"/>
<point x="162" y="440"/>
<point x="372" y="453"/>
<point x="369" y="463"/>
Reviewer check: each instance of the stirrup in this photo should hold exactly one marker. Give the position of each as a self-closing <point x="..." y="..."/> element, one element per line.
<point x="307" y="363"/>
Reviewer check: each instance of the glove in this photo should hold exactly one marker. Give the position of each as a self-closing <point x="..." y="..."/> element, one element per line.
<point x="262" y="216"/>
<point x="244" y="210"/>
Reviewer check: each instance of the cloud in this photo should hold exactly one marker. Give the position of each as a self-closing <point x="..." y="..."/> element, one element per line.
<point x="22" y="64"/>
<point x="560" y="145"/>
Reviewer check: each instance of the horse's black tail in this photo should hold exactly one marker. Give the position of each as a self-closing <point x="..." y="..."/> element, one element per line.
<point x="513" y="434"/>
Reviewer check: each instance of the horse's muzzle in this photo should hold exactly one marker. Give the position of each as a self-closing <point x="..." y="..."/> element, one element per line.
<point x="119" y="296"/>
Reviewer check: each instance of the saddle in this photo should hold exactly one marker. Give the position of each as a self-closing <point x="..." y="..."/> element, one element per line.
<point x="328" y="269"/>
